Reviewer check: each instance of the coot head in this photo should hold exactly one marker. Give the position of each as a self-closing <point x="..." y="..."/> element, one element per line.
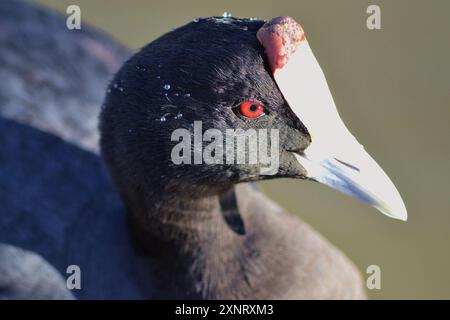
<point x="222" y="74"/>
<point x="212" y="71"/>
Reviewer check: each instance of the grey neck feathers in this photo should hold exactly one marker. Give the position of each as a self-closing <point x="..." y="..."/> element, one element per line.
<point x="196" y="246"/>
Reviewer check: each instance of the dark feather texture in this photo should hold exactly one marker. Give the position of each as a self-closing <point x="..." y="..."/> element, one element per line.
<point x="164" y="234"/>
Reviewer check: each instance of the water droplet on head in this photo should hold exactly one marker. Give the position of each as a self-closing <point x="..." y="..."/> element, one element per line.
<point x="252" y="18"/>
<point x="176" y="94"/>
<point x="226" y="14"/>
<point x="115" y="85"/>
<point x="195" y="20"/>
<point x="178" y="116"/>
<point x="158" y="77"/>
<point x="245" y="28"/>
<point x="120" y="89"/>
<point x="167" y="87"/>
<point x="187" y="95"/>
<point x="164" y="117"/>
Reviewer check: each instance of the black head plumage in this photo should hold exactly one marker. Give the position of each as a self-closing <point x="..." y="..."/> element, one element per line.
<point x="199" y="72"/>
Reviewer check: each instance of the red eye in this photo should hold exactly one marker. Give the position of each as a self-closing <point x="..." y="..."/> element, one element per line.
<point x="251" y="109"/>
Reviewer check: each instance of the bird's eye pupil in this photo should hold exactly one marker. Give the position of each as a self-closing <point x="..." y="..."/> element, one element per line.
<point x="253" y="107"/>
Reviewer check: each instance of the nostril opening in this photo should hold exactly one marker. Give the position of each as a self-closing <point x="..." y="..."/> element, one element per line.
<point x="347" y="164"/>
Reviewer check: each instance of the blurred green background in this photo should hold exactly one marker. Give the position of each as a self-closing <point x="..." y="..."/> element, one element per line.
<point x="392" y="89"/>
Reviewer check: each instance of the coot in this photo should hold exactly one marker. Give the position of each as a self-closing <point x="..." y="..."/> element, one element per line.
<point x="191" y="230"/>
